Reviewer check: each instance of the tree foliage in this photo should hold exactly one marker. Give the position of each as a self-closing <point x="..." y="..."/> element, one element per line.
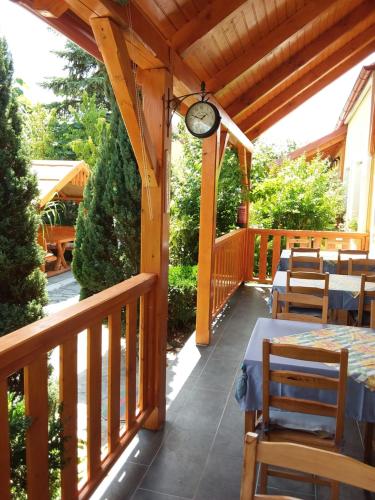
<point x="107" y="246"/>
<point x="22" y="289"/>
<point x="298" y="194"/>
<point x="84" y="73"/>
<point x="185" y="198"/>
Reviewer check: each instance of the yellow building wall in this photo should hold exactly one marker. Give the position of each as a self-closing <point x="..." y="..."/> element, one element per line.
<point x="358" y="162"/>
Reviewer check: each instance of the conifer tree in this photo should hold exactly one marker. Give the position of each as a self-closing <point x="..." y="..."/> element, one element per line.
<point x="107" y="245"/>
<point x="22" y="284"/>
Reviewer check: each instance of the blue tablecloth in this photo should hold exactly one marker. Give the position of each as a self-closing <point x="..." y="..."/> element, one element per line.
<point x="329" y="260"/>
<point x="360" y="401"/>
<point x="343" y="290"/>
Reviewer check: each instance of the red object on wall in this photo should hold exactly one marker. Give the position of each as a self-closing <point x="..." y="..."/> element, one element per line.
<point x="242" y="215"/>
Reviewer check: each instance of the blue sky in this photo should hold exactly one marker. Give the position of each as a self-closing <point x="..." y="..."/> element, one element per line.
<point x="31" y="41"/>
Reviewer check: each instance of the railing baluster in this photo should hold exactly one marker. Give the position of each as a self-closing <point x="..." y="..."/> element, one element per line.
<point x="263" y="257"/>
<point x="4" y="443"/>
<point x="275" y="253"/>
<point x="36" y="407"/>
<point x="94" y="403"/>
<point x="68" y="399"/>
<point x="114" y="375"/>
<point x="131" y="365"/>
<point x="249" y="260"/>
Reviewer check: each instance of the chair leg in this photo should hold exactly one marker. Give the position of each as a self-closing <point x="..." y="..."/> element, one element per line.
<point x="263" y="479"/>
<point x="335" y="490"/>
<point x="369" y="432"/>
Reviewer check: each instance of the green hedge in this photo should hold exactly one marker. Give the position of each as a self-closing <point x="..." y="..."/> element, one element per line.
<point x="182" y="299"/>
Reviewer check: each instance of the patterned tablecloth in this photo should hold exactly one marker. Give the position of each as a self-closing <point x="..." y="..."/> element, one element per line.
<point x="360" y="400"/>
<point x="359" y="341"/>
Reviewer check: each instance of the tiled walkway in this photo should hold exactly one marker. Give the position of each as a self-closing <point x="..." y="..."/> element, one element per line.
<point x="198" y="455"/>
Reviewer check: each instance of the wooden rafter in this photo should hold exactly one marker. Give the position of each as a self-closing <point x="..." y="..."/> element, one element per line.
<point x="322" y="144"/>
<point x="111" y="44"/>
<point x="146" y="35"/>
<point x="50" y="8"/>
<point x="255" y="52"/>
<point x="301" y="58"/>
<point x="294" y="97"/>
<point x="207" y="19"/>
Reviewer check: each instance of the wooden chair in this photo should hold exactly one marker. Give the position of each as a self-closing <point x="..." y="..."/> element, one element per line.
<point x="342" y="263"/>
<point x="306" y="264"/>
<point x="325" y="433"/>
<point x="356" y="267"/>
<point x="48" y="256"/>
<point x="366" y="298"/>
<point x="302" y="303"/>
<point x="300" y="242"/>
<point x="322" y="463"/>
<point x="302" y="250"/>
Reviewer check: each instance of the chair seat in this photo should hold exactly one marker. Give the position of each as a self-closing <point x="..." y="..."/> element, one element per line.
<point x="319" y="425"/>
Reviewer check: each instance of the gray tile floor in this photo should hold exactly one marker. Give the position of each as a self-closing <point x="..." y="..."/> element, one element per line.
<point x="198" y="455"/>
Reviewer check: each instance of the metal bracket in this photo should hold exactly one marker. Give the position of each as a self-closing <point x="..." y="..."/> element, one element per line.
<point x="174" y="102"/>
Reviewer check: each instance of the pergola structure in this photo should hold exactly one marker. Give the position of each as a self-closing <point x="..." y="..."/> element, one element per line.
<point x="60" y="180"/>
<point x="260" y="59"/>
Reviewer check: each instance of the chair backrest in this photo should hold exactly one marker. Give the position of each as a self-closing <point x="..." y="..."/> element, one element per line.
<point x="356" y="267"/>
<point x="307" y="380"/>
<point x="344" y="256"/>
<point x="301" y="458"/>
<point x="300" y="242"/>
<point x="306" y="263"/>
<point x="305" y="297"/>
<point x="302" y="250"/>
<point x="366" y="297"/>
<point x="282" y="301"/>
<point x="372" y="314"/>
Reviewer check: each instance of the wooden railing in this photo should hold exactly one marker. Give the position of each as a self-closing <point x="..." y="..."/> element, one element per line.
<point x="28" y="348"/>
<point x="228" y="267"/>
<point x="264" y="247"/>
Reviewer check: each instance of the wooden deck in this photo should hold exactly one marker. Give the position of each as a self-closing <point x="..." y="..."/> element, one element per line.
<point x="198" y="455"/>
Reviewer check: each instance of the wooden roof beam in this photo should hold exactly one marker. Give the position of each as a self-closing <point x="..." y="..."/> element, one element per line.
<point x="327" y="66"/>
<point x="321" y="144"/>
<point x="283" y="106"/>
<point x="185" y="39"/>
<point x="154" y="44"/>
<point x="256" y="52"/>
<point x="111" y="44"/>
<point x="301" y="58"/>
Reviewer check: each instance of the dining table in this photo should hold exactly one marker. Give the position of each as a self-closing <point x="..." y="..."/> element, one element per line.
<point x="360" y="394"/>
<point x="330" y="258"/>
<point x="343" y="290"/>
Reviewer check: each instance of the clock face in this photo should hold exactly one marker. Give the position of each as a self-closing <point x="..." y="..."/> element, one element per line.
<point x="202" y="119"/>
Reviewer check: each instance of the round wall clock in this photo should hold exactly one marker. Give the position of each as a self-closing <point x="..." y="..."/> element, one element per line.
<point x="202" y="119"/>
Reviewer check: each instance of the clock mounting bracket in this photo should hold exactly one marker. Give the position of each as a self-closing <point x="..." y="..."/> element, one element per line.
<point x="175" y="102"/>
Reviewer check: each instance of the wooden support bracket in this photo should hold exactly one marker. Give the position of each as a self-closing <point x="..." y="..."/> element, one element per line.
<point x="110" y="39"/>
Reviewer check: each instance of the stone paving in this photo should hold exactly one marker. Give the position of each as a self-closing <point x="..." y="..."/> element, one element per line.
<point x="63" y="291"/>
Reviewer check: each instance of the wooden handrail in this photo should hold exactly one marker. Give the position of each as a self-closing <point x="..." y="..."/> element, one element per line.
<point x="315" y="239"/>
<point x="27" y="349"/>
<point x="20" y="347"/>
<point x="228" y="272"/>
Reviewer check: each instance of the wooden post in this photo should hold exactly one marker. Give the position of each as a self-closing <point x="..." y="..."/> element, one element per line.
<point x="244" y="158"/>
<point x="151" y="140"/>
<point x="156" y="87"/>
<point x="207" y="234"/>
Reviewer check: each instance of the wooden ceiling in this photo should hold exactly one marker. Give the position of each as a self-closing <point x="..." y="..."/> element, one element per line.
<point x="261" y="58"/>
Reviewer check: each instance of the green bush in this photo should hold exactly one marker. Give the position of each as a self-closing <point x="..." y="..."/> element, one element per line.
<point x="18" y="425"/>
<point x="182" y="298"/>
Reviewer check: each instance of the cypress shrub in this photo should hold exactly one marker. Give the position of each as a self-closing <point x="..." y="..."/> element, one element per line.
<point x="22" y="284"/>
<point x="182" y="300"/>
<point x="107" y="246"/>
